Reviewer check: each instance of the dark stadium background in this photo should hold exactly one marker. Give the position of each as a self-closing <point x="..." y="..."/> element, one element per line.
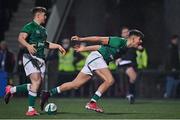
<point x="158" y="19"/>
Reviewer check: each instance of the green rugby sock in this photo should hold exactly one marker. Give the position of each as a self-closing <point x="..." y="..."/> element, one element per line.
<point x="32" y="98"/>
<point x="96" y="96"/>
<point x="20" y="88"/>
<point x="54" y="91"/>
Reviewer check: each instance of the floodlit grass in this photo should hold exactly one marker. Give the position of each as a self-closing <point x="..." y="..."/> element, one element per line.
<point x="74" y="108"/>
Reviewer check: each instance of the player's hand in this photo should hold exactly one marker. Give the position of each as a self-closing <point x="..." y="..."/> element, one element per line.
<point x="75" y="38"/>
<point x="31" y="48"/>
<point x="79" y="48"/>
<point x="62" y="50"/>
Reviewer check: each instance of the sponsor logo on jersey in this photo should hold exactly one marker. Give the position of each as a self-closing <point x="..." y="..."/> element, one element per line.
<point x="40" y="44"/>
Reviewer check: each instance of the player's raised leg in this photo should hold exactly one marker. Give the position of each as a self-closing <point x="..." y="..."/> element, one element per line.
<point x="108" y="80"/>
<point x="75" y="84"/>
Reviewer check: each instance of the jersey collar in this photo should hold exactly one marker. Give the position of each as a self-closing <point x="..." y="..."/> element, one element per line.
<point x="36" y="23"/>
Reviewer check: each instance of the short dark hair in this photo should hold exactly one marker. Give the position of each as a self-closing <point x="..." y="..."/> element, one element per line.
<point x="124" y="27"/>
<point x="38" y="9"/>
<point x="136" y="32"/>
<point x="175" y="36"/>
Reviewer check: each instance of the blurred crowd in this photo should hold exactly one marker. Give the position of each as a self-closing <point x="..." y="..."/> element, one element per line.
<point x="7" y="61"/>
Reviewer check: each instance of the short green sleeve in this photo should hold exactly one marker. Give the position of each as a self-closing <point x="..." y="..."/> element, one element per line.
<point x="27" y="29"/>
<point x="117" y="42"/>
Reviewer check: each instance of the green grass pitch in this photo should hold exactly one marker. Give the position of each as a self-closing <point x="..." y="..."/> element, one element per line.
<point x="73" y="108"/>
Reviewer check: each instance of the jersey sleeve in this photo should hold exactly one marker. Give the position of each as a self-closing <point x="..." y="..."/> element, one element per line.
<point x="117" y="42"/>
<point x="27" y="29"/>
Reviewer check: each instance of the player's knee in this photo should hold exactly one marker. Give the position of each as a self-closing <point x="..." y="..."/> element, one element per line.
<point x="110" y="82"/>
<point x="38" y="82"/>
<point x="35" y="85"/>
<point x="37" y="78"/>
<point x="133" y="78"/>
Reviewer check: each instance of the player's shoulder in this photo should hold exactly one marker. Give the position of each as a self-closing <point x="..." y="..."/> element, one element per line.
<point x="29" y="25"/>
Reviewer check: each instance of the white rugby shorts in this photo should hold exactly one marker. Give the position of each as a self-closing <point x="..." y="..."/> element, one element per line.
<point x="30" y="68"/>
<point x="93" y="62"/>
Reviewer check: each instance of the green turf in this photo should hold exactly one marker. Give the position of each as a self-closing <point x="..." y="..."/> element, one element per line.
<point x="114" y="108"/>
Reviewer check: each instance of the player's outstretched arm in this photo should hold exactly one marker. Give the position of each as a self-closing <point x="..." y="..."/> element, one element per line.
<point x="86" y="48"/>
<point x="57" y="46"/>
<point x="96" y="39"/>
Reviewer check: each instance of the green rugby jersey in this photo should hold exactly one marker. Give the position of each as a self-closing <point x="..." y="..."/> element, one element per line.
<point x="37" y="35"/>
<point x="114" y="48"/>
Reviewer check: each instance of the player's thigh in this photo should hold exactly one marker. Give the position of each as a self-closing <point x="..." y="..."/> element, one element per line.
<point x="105" y="74"/>
<point x="130" y="71"/>
<point x="81" y="79"/>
